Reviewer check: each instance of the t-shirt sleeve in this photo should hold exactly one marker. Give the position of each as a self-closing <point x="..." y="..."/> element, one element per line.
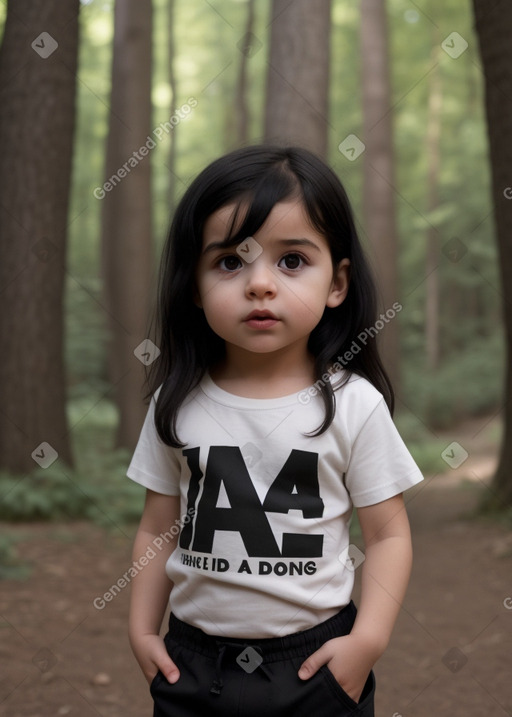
<point x="380" y="465"/>
<point x="154" y="464"/>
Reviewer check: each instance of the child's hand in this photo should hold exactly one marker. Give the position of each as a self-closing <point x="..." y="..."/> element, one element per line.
<point x="152" y="656"/>
<point x="348" y="658"/>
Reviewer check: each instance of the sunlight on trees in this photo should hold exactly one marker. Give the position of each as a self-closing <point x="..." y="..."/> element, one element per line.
<point x="207" y="65"/>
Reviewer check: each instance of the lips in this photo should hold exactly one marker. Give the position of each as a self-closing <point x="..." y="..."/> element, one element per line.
<point x="260" y="320"/>
<point x="260" y="315"/>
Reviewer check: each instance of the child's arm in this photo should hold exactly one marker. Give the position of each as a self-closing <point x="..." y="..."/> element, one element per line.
<point x="151" y="586"/>
<point x="385" y="575"/>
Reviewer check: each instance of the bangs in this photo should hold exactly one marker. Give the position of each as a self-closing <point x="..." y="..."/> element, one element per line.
<point x="278" y="184"/>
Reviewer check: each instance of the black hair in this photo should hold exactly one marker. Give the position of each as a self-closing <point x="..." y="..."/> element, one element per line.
<point x="259" y="177"/>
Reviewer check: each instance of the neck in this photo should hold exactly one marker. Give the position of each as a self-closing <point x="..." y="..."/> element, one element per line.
<point x="264" y="375"/>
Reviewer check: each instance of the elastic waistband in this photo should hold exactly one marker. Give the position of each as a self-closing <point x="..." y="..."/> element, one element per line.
<point x="272" y="648"/>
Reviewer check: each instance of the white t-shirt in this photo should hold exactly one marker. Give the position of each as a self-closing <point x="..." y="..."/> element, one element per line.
<point x="264" y="545"/>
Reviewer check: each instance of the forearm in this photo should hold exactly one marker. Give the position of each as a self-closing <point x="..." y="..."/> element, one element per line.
<point x="154" y="543"/>
<point x="150" y="587"/>
<point x="385" y="576"/>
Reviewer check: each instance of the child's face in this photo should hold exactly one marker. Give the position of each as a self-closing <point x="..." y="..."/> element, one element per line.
<point x="284" y="273"/>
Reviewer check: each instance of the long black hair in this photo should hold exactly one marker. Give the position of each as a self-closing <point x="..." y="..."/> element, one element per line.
<point x="257" y="177"/>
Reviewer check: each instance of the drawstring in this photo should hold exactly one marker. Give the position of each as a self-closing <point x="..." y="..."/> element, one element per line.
<point x="217" y="683"/>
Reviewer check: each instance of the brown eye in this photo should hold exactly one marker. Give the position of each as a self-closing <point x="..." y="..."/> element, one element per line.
<point x="292" y="261"/>
<point x="230" y="263"/>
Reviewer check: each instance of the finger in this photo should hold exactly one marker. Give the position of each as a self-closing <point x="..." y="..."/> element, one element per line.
<point x="168" y="668"/>
<point x="314" y="662"/>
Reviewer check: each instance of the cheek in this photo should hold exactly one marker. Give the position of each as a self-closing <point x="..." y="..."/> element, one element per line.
<point x="310" y="300"/>
<point x="217" y="306"/>
<point x="308" y="313"/>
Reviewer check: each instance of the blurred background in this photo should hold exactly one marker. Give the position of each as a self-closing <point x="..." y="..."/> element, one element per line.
<point x="107" y="112"/>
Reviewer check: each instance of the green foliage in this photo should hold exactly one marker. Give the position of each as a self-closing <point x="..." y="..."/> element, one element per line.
<point x="97" y="489"/>
<point x="468" y="384"/>
<point x="61" y="494"/>
<point x="469" y="378"/>
<point x="492" y="511"/>
<point x="11" y="567"/>
<point x="86" y="333"/>
<point x="40" y="496"/>
<point x="207" y="63"/>
<point x="424" y="445"/>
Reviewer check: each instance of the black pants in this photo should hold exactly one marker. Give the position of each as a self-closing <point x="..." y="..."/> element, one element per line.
<point x="241" y="678"/>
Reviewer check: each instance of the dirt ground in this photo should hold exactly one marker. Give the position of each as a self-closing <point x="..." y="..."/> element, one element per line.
<point x="450" y="654"/>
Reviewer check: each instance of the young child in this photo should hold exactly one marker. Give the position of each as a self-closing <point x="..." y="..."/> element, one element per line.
<point x="269" y="422"/>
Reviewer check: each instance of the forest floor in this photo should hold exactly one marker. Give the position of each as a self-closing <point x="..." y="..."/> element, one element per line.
<point x="449" y="655"/>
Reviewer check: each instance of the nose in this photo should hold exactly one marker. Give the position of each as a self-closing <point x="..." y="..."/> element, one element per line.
<point x="261" y="281"/>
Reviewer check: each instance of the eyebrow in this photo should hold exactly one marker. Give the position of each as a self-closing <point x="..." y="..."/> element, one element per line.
<point x="285" y="242"/>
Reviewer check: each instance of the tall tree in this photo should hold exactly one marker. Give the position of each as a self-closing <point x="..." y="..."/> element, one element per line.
<point x="379" y="215"/>
<point x="126" y="219"/>
<point x="298" y="74"/>
<point x="173" y="84"/>
<point x="494" y="29"/>
<point x="241" y="99"/>
<point x="38" y="61"/>
<point x="433" y="146"/>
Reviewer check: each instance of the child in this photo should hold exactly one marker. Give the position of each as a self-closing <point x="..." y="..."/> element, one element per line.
<point x="269" y="421"/>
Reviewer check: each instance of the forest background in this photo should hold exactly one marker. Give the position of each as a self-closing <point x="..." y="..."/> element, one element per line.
<point x="107" y="112"/>
<point x="208" y="90"/>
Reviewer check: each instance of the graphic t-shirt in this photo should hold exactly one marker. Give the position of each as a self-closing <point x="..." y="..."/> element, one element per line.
<point x="264" y="546"/>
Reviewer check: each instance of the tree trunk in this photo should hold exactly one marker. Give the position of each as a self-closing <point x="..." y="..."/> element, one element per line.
<point x="379" y="216"/>
<point x="126" y="220"/>
<point x="241" y="103"/>
<point x="38" y="62"/>
<point x="173" y="84"/>
<point x="432" y="238"/>
<point x="494" y="29"/>
<point x="298" y="74"/>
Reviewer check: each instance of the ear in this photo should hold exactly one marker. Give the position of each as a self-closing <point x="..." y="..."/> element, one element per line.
<point x="340" y="284"/>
